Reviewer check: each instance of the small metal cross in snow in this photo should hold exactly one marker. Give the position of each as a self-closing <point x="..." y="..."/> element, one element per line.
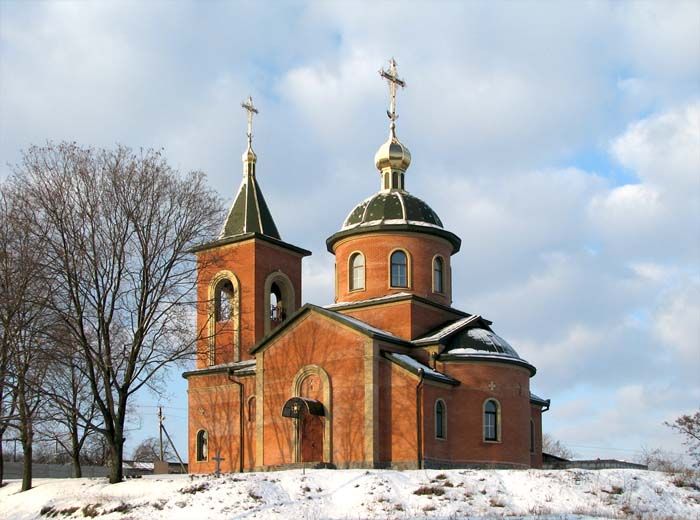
<point x="218" y="460"/>
<point x="492" y="386"/>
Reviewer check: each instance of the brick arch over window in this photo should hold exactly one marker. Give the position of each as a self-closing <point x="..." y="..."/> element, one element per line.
<point x="280" y="283"/>
<point x="297" y="383"/>
<point x="235" y="315"/>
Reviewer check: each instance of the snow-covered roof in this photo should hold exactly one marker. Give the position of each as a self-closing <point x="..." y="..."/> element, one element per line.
<point x="388" y="297"/>
<point x="444" y="332"/>
<point x="238" y="367"/>
<point x="539" y="400"/>
<point x="415" y="366"/>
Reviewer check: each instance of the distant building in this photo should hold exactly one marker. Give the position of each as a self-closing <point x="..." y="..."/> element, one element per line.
<point x="553" y="462"/>
<point x="389" y="375"/>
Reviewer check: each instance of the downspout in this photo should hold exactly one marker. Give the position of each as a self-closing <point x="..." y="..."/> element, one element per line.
<point x="419" y="421"/>
<point x="240" y="418"/>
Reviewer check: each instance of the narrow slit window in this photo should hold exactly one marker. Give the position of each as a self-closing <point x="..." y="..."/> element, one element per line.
<point x="438" y="275"/>
<point x="491" y="420"/>
<point x="440" y="419"/>
<point x="202" y="445"/>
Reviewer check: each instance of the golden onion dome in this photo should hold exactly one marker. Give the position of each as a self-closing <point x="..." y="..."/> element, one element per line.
<point x="392" y="154"/>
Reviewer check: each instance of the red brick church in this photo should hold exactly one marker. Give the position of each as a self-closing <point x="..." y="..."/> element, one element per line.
<point x="389" y="375"/>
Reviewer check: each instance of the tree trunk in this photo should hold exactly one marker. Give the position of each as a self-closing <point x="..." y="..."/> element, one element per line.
<point x="75" y="449"/>
<point x="116" y="473"/>
<point x="77" y="469"/>
<point x="2" y="463"/>
<point x="27" y="462"/>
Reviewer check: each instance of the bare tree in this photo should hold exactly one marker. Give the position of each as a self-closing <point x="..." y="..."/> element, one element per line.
<point x="24" y="320"/>
<point x="555" y="447"/>
<point x="658" y="459"/>
<point x="72" y="414"/>
<point x="118" y="227"/>
<point x="149" y="451"/>
<point x="8" y="319"/>
<point x="689" y="427"/>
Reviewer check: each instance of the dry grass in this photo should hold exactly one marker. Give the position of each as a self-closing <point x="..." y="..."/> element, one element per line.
<point x="429" y="490"/>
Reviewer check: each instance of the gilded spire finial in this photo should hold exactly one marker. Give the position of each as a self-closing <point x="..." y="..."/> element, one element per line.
<point x="392" y="78"/>
<point x="250" y="108"/>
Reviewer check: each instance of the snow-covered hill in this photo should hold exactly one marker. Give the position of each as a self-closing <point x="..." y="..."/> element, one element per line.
<point x="364" y="494"/>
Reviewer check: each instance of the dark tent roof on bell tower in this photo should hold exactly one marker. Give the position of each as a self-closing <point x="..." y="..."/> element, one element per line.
<point x="249" y="212"/>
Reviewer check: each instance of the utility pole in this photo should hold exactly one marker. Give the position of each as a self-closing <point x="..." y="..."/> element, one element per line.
<point x="160" y="430"/>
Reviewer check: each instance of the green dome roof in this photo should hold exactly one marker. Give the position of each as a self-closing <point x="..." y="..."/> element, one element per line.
<point x="391" y="207"/>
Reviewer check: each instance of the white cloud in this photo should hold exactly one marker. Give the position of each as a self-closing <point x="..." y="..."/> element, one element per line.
<point x="677" y="322"/>
<point x="664" y="150"/>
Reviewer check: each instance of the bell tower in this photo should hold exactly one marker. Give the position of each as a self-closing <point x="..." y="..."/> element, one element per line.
<point x="248" y="279"/>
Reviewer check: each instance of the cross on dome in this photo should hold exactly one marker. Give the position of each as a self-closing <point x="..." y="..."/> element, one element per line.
<point x="393" y="80"/>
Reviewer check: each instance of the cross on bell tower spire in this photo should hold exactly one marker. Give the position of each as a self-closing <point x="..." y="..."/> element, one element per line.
<point x="249" y="157"/>
<point x="250" y="108"/>
<point x="393" y="80"/>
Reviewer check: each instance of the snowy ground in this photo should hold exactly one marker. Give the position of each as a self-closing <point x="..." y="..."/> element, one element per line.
<point x="355" y="494"/>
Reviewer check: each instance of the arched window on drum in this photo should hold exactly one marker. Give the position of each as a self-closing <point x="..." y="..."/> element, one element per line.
<point x="399" y="269"/>
<point x="357" y="272"/>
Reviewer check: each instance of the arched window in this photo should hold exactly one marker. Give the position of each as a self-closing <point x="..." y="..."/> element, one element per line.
<point x="279" y="301"/>
<point x="251" y="408"/>
<point x="440" y="419"/>
<point x="202" y="445"/>
<point x="438" y="275"/>
<point x="399" y="269"/>
<point x="357" y="271"/>
<point x="278" y="312"/>
<point x="532" y="436"/>
<point x="224" y="300"/>
<point x="491" y="426"/>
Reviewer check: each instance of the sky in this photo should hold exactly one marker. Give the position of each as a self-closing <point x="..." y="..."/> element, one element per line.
<point x="559" y="140"/>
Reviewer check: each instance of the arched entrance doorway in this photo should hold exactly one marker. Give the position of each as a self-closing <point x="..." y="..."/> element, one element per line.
<point x="311" y="436"/>
<point x="307" y="415"/>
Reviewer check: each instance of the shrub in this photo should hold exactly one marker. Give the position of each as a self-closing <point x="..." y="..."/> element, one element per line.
<point x="429" y="490"/>
<point x="195" y="488"/>
<point x="123" y="507"/>
<point x="686" y="479"/>
<point x="90" y="510"/>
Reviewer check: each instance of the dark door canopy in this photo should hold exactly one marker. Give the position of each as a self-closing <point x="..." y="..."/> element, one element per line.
<point x="297" y="407"/>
